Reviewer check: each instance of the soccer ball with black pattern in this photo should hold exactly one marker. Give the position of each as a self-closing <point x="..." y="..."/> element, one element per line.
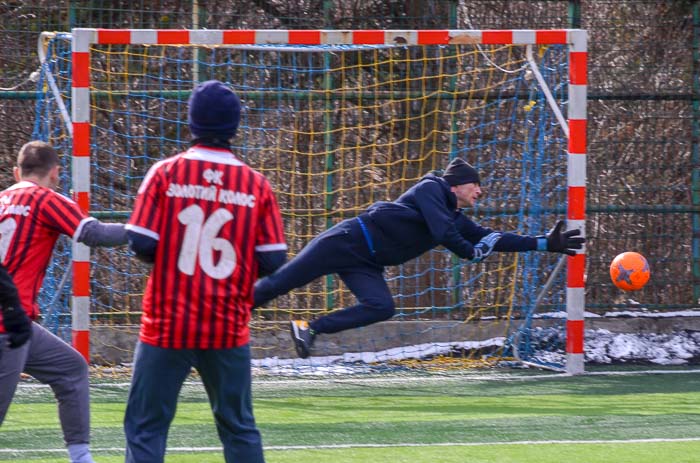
<point x="630" y="271"/>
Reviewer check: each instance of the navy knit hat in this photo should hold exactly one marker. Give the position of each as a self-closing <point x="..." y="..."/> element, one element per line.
<point x="214" y="111"/>
<point x="459" y="172"/>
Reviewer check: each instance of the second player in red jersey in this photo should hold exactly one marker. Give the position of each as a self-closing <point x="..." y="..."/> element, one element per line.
<point x="209" y="213"/>
<point x="32" y="216"/>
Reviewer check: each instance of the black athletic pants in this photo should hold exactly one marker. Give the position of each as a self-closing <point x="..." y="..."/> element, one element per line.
<point x="340" y="250"/>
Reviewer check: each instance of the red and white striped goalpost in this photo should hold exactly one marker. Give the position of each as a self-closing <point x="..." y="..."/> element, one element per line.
<point x="84" y="38"/>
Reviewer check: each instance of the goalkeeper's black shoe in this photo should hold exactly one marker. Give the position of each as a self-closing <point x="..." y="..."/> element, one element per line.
<point x="303" y="337"/>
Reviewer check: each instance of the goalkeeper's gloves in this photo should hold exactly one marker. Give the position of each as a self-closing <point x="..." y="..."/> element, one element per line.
<point x="484" y="248"/>
<point x="557" y="241"/>
<point x="17" y="325"/>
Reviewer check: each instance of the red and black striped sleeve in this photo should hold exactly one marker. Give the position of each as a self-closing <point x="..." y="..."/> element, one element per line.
<point x="147" y="214"/>
<point x="62" y="214"/>
<point x="271" y="231"/>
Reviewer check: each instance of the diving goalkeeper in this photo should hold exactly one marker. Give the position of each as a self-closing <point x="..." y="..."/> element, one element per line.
<point x="390" y="233"/>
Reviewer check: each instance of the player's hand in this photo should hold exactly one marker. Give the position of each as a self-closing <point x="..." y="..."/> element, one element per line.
<point x="484" y="248"/>
<point x="17" y="325"/>
<point x="566" y="242"/>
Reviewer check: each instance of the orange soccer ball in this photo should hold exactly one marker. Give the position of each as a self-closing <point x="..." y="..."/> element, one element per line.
<point x="630" y="271"/>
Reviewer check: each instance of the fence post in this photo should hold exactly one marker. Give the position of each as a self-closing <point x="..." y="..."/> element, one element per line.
<point x="328" y="142"/>
<point x="695" y="153"/>
<point x="575" y="14"/>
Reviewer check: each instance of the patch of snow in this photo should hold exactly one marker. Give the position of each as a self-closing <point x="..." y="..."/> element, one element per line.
<point x="601" y="347"/>
<point x="351" y="362"/>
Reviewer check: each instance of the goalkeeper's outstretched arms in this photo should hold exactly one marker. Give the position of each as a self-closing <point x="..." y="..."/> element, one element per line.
<point x="487" y="241"/>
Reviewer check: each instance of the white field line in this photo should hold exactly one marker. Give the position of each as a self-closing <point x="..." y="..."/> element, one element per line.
<point x="402" y="380"/>
<point x="646" y="372"/>
<point x="352" y="446"/>
<point x="328" y="381"/>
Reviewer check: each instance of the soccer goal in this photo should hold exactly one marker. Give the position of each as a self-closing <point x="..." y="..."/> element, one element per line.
<point x="339" y="119"/>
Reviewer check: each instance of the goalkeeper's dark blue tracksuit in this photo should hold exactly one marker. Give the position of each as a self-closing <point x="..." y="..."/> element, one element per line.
<point x="388" y="233"/>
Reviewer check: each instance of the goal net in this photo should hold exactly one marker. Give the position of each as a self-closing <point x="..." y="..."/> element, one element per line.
<point x="337" y="120"/>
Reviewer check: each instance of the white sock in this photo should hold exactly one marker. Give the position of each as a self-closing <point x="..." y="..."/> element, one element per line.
<point x="80" y="453"/>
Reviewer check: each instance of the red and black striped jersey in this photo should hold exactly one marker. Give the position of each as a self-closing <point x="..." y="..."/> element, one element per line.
<point x="210" y="213"/>
<point x="31" y="219"/>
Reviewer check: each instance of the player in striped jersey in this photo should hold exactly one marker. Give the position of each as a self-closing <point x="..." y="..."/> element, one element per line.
<point x="210" y="225"/>
<point x="32" y="216"/>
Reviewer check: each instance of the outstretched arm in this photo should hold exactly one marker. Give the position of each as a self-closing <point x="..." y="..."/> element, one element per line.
<point x="95" y="233"/>
<point x="557" y="240"/>
<point x="498" y="241"/>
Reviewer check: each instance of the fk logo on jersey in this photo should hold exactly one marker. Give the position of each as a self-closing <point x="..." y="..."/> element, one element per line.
<point x="214" y="176"/>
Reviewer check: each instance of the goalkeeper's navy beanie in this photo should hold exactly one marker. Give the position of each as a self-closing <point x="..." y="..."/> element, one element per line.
<point x="459" y="172"/>
<point x="214" y="111"/>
